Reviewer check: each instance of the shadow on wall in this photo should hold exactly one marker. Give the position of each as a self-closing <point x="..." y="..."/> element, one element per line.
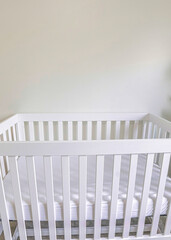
<point x="166" y="113"/>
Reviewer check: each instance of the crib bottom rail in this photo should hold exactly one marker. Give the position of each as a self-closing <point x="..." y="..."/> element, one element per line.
<point x="89" y="229"/>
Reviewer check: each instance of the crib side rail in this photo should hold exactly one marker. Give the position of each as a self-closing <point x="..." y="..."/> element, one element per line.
<point x="98" y="126"/>
<point x="80" y="126"/>
<point x="53" y="148"/>
<point x="82" y="150"/>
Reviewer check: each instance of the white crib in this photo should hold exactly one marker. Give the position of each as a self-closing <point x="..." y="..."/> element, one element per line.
<point x="87" y="175"/>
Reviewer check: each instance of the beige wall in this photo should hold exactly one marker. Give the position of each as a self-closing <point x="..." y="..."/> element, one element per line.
<point x="85" y="56"/>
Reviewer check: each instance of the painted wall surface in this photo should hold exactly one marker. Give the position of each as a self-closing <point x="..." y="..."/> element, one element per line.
<point x="85" y="56"/>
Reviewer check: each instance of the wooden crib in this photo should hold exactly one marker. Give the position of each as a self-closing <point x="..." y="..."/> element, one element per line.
<point x="85" y="175"/>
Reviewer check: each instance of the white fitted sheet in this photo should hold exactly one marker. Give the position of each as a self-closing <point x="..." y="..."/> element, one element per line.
<point x="90" y="188"/>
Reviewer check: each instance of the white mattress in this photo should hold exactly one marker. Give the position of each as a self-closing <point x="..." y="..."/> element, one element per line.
<point x="90" y="189"/>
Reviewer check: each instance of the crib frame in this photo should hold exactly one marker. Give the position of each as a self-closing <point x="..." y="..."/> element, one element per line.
<point x="153" y="137"/>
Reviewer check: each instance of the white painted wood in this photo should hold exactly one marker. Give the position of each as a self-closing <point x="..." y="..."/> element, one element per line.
<point x="158" y="237"/>
<point x="99" y="130"/>
<point x="150" y="128"/>
<point x="154" y="131"/>
<point x="60" y="131"/>
<point x="50" y="196"/>
<point x="70" y="131"/>
<point x="81" y="116"/>
<point x="82" y="196"/>
<point x="160" y="192"/>
<point x="145" y="194"/>
<point x="2" y="167"/>
<point x="41" y="131"/>
<point x="161" y="122"/>
<point x="4" y="125"/>
<point x="34" y="197"/>
<point x="135" y="130"/>
<point x="157" y="134"/>
<point x="130" y="195"/>
<point x="90" y="230"/>
<point x="126" y="130"/>
<point x="89" y="130"/>
<point x="9" y="134"/>
<point x="17" y="197"/>
<point x="108" y="130"/>
<point x="51" y="131"/>
<point x="117" y="130"/>
<point x="98" y="197"/>
<point x="102" y="147"/>
<point x="21" y="131"/>
<point x="14" y="133"/>
<point x="114" y="195"/>
<point x="66" y="196"/>
<point x="144" y="129"/>
<point x="79" y="131"/>
<point x="4" y="211"/>
<point x="6" y="161"/>
<point x="31" y="131"/>
<point x="4" y="136"/>
<point x="167" y="229"/>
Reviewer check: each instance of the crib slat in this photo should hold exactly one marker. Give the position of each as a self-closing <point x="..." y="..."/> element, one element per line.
<point x="6" y="160"/>
<point x="50" y="196"/>
<point x="2" y="166"/>
<point x="135" y="130"/>
<point x="99" y="130"/>
<point x="21" y="131"/>
<point x="70" y="132"/>
<point x="14" y="133"/>
<point x="66" y="196"/>
<point x="34" y="197"/>
<point x="154" y="130"/>
<point x="167" y="228"/>
<point x="130" y="195"/>
<point x="98" y="200"/>
<point x="4" y="211"/>
<point x="41" y="131"/>
<point x="9" y="134"/>
<point x="108" y="130"/>
<point x="144" y="129"/>
<point x="89" y="130"/>
<point x="50" y="130"/>
<point x="17" y="197"/>
<point x="126" y="130"/>
<point x="117" y="130"/>
<point x="79" y="131"/>
<point x="160" y="192"/>
<point x="2" y="163"/>
<point x="149" y="130"/>
<point x="145" y="194"/>
<point x="60" y="131"/>
<point x="82" y="193"/>
<point x="157" y="133"/>
<point x="31" y="131"/>
<point x="114" y="195"/>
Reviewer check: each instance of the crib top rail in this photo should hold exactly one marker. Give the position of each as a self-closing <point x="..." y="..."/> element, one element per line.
<point x="81" y="116"/>
<point x="53" y="148"/>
